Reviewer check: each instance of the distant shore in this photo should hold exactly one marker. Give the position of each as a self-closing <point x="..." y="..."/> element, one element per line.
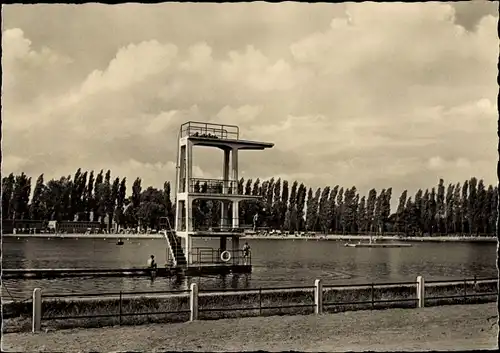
<point x="354" y="238"/>
<point x="318" y="237"/>
<point x="87" y="236"/>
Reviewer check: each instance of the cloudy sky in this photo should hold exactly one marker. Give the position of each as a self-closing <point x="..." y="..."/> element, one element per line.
<point x="372" y="95"/>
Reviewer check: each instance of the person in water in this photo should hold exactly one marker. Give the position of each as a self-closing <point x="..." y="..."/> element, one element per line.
<point x="246" y="252"/>
<point x="152" y="262"/>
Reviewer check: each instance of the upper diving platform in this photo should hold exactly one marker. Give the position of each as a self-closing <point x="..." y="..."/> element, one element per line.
<point x="219" y="135"/>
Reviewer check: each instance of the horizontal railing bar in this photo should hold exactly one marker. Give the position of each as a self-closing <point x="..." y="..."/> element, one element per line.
<point x="217" y="180"/>
<point x="375" y="301"/>
<point x="55" y="296"/>
<point x="111" y="294"/>
<point x="203" y="124"/>
<point x="229" y="309"/>
<point x="223" y="290"/>
<point x="347" y="303"/>
<point x="396" y="300"/>
<point x="179" y="291"/>
<point x="156" y="313"/>
<point x="289" y="306"/>
<point x="395" y="283"/>
<point x="79" y="316"/>
<point x="455" y="296"/>
<point x="349" y="285"/>
<point x="226" y="290"/>
<point x="369" y="284"/>
<point x="462" y="296"/>
<point x="288" y="288"/>
<point x="462" y="280"/>
<point x="482" y="294"/>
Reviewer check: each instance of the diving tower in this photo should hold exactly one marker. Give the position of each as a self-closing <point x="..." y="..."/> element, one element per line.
<point x="225" y="189"/>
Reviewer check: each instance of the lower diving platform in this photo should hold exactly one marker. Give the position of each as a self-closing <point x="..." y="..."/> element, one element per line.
<point x="194" y="270"/>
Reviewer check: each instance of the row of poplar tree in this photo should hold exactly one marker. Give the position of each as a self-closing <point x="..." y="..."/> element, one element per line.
<point x="469" y="208"/>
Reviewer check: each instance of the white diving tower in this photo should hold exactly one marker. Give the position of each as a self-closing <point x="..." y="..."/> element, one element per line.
<point x="225" y="189"/>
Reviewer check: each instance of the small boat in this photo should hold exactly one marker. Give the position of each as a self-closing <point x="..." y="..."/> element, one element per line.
<point x="119" y="242"/>
<point x="379" y="245"/>
<point x="374" y="244"/>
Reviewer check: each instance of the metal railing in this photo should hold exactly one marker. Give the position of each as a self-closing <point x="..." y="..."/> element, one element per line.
<point x="213" y="186"/>
<point x="120" y="297"/>
<point x="470" y="289"/>
<point x="259" y="291"/>
<point x="209" y="130"/>
<point x="302" y="295"/>
<point x="223" y="225"/>
<point x="208" y="227"/>
<point x="207" y="255"/>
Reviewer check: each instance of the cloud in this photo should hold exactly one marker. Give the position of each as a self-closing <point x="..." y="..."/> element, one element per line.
<point x="369" y="94"/>
<point x="26" y="70"/>
<point x="132" y="64"/>
<point x="200" y="58"/>
<point x="257" y="72"/>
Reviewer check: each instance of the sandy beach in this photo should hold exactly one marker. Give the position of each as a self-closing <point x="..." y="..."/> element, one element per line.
<point x="457" y="327"/>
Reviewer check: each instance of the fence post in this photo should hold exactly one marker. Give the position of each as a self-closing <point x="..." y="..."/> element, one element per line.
<point x="420" y="291"/>
<point x="318" y="297"/>
<point x="120" y="306"/>
<point x="37" y="310"/>
<point x="193" y="302"/>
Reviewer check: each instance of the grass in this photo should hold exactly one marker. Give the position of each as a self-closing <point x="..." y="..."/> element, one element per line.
<point x="213" y="306"/>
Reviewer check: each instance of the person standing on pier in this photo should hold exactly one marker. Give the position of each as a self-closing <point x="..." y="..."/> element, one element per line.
<point x="246" y="253"/>
<point x="152" y="266"/>
<point x="152" y="263"/>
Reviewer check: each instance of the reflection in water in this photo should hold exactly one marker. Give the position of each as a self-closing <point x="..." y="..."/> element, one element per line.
<point x="275" y="263"/>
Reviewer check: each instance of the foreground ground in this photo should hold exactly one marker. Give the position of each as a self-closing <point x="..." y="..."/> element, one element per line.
<point x="439" y="328"/>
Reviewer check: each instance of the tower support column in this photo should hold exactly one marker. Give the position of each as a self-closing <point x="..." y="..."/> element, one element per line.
<point x="236" y="215"/>
<point x="223" y="243"/>
<point x="189" y="165"/>
<point x="236" y="249"/>
<point x="234" y="165"/>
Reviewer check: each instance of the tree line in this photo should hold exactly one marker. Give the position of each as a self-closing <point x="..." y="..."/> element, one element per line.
<point x="462" y="208"/>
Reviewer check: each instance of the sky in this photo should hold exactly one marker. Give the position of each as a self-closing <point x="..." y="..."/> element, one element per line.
<point x="373" y="95"/>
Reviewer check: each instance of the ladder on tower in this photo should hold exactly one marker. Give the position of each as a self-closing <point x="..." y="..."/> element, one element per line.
<point x="175" y="247"/>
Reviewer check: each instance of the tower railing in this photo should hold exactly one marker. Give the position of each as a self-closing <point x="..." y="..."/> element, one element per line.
<point x="225" y="225"/>
<point x="206" y="255"/>
<point x="210" y="130"/>
<point x="213" y="186"/>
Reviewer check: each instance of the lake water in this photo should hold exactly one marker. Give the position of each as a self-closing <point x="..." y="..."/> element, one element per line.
<point x="275" y="263"/>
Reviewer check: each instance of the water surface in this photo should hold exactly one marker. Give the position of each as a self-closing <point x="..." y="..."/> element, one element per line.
<point x="275" y="263"/>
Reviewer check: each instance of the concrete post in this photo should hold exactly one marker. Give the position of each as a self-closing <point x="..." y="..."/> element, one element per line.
<point x="318" y="297"/>
<point x="182" y="182"/>
<point x="225" y="170"/>
<point x="234" y="165"/>
<point x="189" y="164"/>
<point x="193" y="302"/>
<point x="189" y="214"/>
<point x="222" y="244"/>
<point x="224" y="220"/>
<point x="37" y="310"/>
<point x="236" y="249"/>
<point x="189" y="249"/>
<point x="177" y="226"/>
<point x="236" y="214"/>
<point x="420" y="292"/>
